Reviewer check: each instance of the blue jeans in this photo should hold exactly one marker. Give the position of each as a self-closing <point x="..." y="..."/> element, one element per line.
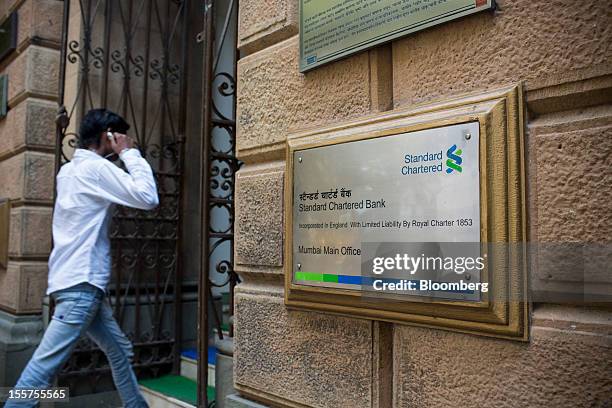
<point x="81" y="309"/>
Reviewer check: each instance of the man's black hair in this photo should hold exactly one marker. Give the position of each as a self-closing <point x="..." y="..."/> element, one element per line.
<point x="97" y="121"/>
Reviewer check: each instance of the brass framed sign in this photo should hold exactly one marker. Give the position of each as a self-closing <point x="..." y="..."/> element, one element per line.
<point x="332" y="29"/>
<point x="414" y="217"/>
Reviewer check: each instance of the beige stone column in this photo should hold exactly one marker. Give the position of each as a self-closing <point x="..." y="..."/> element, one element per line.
<point x="27" y="139"/>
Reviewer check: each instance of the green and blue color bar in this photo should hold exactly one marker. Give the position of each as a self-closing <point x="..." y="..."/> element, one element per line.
<point x="325" y="277"/>
<point x="353" y="280"/>
<point x="342" y="279"/>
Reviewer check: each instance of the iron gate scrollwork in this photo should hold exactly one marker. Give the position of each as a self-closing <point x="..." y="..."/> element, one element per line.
<point x="219" y="167"/>
<point x="223" y="167"/>
<point x="131" y="57"/>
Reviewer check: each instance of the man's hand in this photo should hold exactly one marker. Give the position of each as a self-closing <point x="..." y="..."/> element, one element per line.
<point x="120" y="142"/>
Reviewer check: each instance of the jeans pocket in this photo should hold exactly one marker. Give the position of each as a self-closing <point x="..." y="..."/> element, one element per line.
<point x="71" y="308"/>
<point x="64" y="306"/>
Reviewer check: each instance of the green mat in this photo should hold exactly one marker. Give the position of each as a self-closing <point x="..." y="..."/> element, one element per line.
<point x="178" y="387"/>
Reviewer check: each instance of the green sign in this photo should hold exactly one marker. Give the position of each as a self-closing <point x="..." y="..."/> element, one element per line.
<point x="332" y="29"/>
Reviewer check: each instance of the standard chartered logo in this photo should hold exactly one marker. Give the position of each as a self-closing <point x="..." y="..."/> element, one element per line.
<point x="433" y="162"/>
<point x="454" y="159"/>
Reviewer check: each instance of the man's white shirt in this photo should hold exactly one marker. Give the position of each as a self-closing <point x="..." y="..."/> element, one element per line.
<point x="87" y="187"/>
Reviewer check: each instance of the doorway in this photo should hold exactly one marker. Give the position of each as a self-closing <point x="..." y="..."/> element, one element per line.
<point x="168" y="67"/>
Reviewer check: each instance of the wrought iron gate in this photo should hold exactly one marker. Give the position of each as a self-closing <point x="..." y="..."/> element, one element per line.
<point x="218" y="172"/>
<point x="131" y="57"/>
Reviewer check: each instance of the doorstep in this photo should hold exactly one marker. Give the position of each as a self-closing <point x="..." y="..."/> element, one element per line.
<point x="172" y="391"/>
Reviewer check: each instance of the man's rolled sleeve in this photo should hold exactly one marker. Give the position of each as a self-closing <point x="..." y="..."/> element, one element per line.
<point x="135" y="188"/>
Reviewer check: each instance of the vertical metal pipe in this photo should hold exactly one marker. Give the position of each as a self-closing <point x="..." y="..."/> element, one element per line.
<point x="236" y="163"/>
<point x="127" y="26"/>
<point x="203" y="292"/>
<point x="64" y="48"/>
<point x="62" y="118"/>
<point x="106" y="47"/>
<point x="178" y="275"/>
<point x="145" y="86"/>
<point x="142" y="141"/>
<point x="228" y="19"/>
<point x="165" y="79"/>
<point x="85" y="52"/>
<point x="140" y="245"/>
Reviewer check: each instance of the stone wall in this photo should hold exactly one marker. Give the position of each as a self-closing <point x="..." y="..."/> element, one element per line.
<point x="562" y="54"/>
<point x="27" y="139"/>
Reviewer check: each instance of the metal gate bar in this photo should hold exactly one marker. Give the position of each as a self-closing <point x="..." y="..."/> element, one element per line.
<point x="218" y="173"/>
<point x="203" y="293"/>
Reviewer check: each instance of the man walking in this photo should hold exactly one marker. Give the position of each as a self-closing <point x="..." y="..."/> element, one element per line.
<point x="80" y="263"/>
